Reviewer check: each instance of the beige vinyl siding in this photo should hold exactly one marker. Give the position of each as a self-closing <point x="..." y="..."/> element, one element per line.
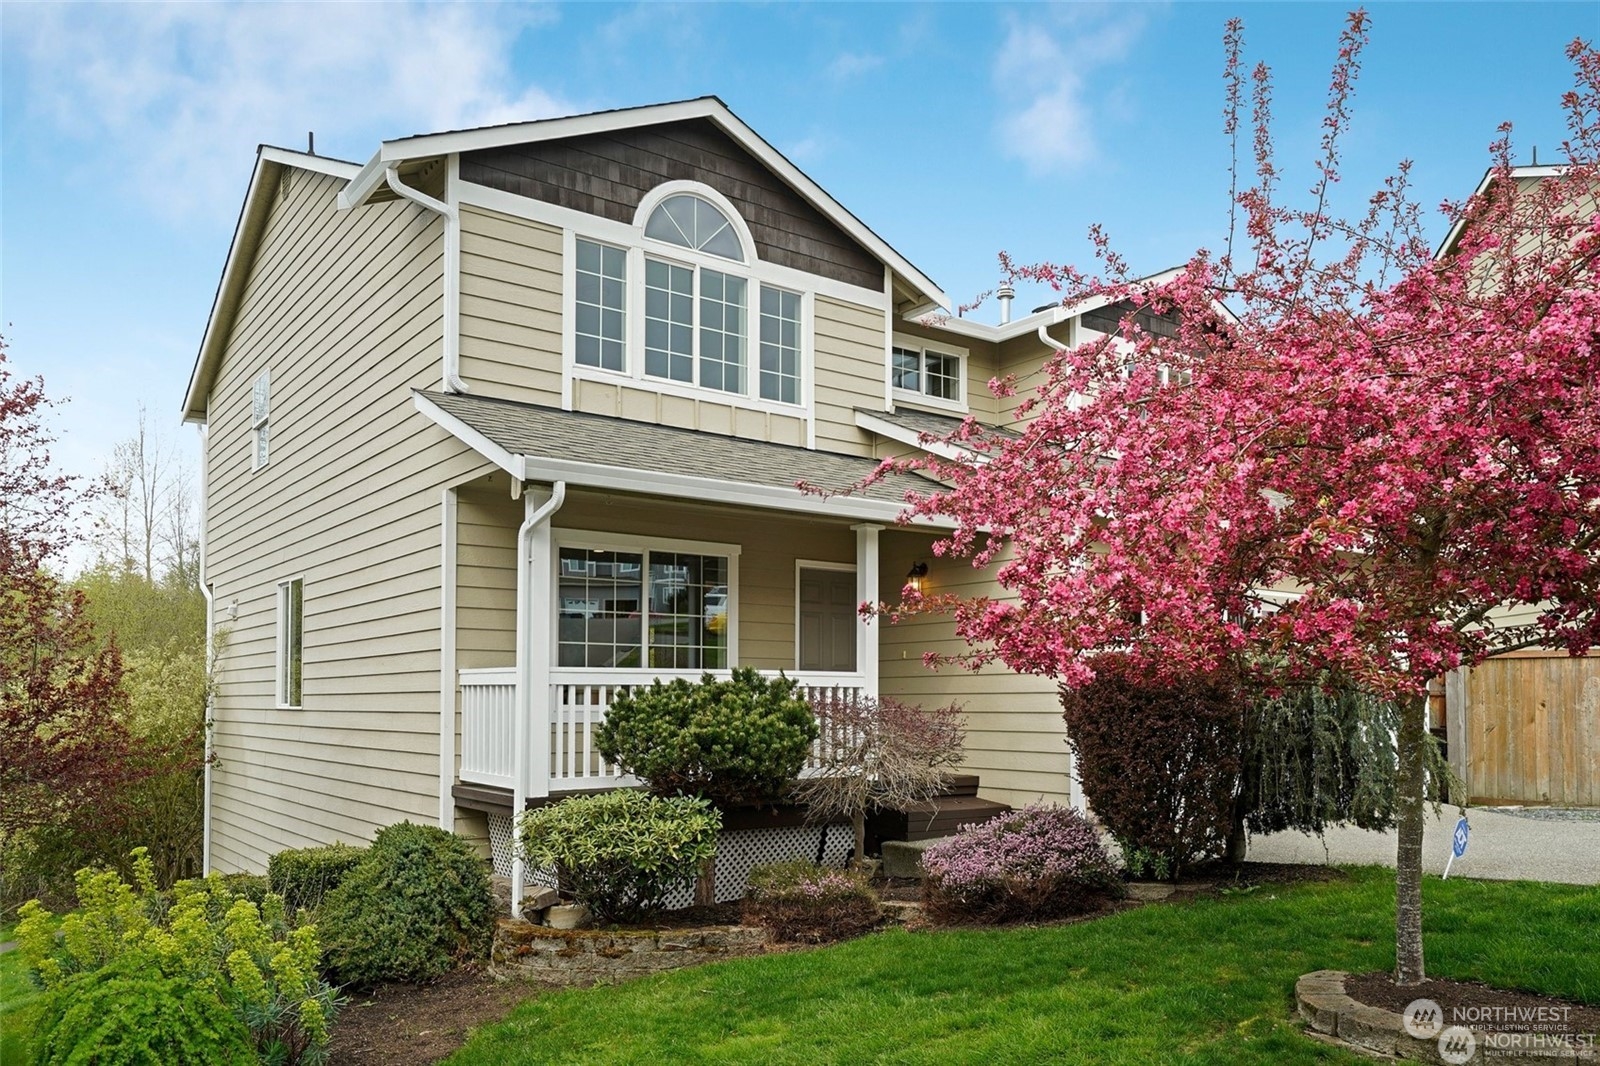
<point x="850" y="369"/>
<point x="1016" y="739"/>
<point x="645" y="404"/>
<point x="344" y="308"/>
<point x="511" y="278"/>
<point x="1023" y="359"/>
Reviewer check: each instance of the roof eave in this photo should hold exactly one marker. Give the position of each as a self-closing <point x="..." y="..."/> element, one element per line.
<point x="241" y="249"/>
<point x="655" y="483"/>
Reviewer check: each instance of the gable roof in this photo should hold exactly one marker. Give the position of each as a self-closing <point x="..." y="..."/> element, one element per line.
<point x="1483" y="187"/>
<point x="370" y="178"/>
<point x="270" y="164"/>
<point x="537" y="443"/>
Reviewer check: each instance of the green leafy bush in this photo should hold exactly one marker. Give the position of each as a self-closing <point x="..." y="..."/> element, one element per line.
<point x="417" y="905"/>
<point x="304" y="876"/>
<point x="110" y="1017"/>
<point x="621" y="853"/>
<point x="800" y="902"/>
<point x="740" y="740"/>
<point x="1037" y="863"/>
<point x="245" y="957"/>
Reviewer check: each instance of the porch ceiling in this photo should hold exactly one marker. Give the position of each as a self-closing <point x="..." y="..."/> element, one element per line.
<point x="537" y="443"/>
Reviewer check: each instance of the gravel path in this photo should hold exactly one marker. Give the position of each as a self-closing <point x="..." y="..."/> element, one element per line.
<point x="1507" y="844"/>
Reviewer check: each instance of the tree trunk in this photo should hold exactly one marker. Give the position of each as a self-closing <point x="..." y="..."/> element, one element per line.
<point x="1238" y="836"/>
<point x="705" y="886"/>
<point x="859" y="821"/>
<point x="1410" y="804"/>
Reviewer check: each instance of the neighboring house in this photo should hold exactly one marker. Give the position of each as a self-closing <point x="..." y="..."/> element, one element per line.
<point x="509" y="418"/>
<point x="1523" y="727"/>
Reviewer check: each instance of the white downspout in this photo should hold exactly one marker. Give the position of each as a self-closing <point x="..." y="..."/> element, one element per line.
<point x="451" y="354"/>
<point x="535" y="522"/>
<point x="210" y="712"/>
<point x="1044" y="335"/>
<point x="447" y="658"/>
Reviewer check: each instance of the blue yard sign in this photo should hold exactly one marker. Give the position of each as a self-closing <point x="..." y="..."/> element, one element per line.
<point x="1458" y="843"/>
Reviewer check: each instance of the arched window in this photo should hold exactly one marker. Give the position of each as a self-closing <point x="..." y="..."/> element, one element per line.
<point x="691" y="222"/>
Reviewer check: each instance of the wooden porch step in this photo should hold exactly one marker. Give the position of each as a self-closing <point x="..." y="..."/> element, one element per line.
<point x="943" y="816"/>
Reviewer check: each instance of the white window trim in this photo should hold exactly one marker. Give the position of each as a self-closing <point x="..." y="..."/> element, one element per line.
<point x="922" y="399"/>
<point x="261" y="425"/>
<point x="633" y="374"/>
<point x="280" y="657"/>
<point x="816" y="564"/>
<point x="652" y="199"/>
<point x="595" y="540"/>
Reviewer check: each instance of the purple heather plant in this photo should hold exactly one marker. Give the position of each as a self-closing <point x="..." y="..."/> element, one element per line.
<point x="1041" y="861"/>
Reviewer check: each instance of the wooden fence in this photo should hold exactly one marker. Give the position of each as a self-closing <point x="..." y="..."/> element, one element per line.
<point x="1525" y="728"/>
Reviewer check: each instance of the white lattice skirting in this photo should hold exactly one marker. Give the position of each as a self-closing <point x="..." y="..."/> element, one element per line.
<point x="738" y="851"/>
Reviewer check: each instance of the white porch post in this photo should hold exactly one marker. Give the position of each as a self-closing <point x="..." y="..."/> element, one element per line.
<point x="867" y="592"/>
<point x="530" y="762"/>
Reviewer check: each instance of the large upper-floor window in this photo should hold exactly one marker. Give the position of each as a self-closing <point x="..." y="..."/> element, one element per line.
<point x="684" y="309"/>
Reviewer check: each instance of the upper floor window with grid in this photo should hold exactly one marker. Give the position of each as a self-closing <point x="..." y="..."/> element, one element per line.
<point x="688" y="306"/>
<point x="921" y="373"/>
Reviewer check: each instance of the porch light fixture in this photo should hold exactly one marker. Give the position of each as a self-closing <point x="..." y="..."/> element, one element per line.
<point x="914" y="576"/>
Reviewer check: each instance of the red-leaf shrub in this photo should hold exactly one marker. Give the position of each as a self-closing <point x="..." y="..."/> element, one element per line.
<point x="1159" y="763"/>
<point x="1037" y="863"/>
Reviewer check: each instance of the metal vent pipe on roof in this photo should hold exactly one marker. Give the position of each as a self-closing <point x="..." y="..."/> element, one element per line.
<point x="1005" y="294"/>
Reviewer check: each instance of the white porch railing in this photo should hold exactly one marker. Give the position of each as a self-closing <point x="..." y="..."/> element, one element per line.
<point x="573" y="710"/>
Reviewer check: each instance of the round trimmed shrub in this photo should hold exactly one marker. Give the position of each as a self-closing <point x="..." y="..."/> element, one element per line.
<point x="417" y="905"/>
<point x="305" y="876"/>
<point x="799" y="902"/>
<point x="734" y="741"/>
<point x="621" y="853"/>
<point x="1037" y="863"/>
<point x="111" y="1017"/>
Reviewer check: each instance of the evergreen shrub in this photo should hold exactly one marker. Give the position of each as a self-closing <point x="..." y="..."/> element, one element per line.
<point x="733" y="741"/>
<point x="621" y="853"/>
<point x="416" y="905"/>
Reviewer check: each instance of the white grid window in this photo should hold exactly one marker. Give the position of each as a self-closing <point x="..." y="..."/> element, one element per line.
<point x="600" y="304"/>
<point x="291" y="630"/>
<point x="260" y="414"/>
<point x="668" y="321"/>
<point x="722" y="331"/>
<point x="780" y="345"/>
<point x="920" y="374"/>
<point x="627" y="609"/>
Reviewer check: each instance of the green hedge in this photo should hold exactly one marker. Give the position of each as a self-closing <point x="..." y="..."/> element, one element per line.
<point x="303" y="876"/>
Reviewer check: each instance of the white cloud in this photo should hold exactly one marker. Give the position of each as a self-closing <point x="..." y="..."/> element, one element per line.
<point x="174" y="98"/>
<point x="847" y="66"/>
<point x="1045" y="73"/>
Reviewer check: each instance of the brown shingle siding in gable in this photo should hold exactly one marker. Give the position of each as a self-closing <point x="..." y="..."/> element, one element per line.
<point x="608" y="174"/>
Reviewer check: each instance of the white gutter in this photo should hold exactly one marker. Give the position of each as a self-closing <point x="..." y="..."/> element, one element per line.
<point x="210" y="712"/>
<point x="451" y="348"/>
<point x="535" y="526"/>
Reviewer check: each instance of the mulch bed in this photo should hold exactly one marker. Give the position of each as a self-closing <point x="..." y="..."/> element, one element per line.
<point x="418" y="1024"/>
<point x="1478" y="1006"/>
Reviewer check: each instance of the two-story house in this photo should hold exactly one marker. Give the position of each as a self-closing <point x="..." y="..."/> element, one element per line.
<point x="510" y="417"/>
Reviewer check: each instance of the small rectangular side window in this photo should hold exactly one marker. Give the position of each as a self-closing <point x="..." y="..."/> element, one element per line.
<point x="291" y="614"/>
<point x="260" y="412"/>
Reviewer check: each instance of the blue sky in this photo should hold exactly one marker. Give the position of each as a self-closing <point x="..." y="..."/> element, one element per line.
<point x="953" y="130"/>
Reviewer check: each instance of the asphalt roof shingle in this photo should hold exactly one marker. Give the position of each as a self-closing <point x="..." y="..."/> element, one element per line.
<point x="547" y="432"/>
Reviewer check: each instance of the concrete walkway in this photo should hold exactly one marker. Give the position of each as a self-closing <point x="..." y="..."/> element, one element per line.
<point x="1507" y="844"/>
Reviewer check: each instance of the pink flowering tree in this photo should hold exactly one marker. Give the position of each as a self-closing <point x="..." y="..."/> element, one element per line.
<point x="1408" y="441"/>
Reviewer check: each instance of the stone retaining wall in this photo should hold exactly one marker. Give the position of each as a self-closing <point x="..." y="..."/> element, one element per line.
<point x="559" y="958"/>
<point x="1324" y="1005"/>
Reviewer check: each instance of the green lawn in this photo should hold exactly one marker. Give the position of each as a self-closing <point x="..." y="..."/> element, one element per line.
<point x="17" y="996"/>
<point x="1205" y="983"/>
